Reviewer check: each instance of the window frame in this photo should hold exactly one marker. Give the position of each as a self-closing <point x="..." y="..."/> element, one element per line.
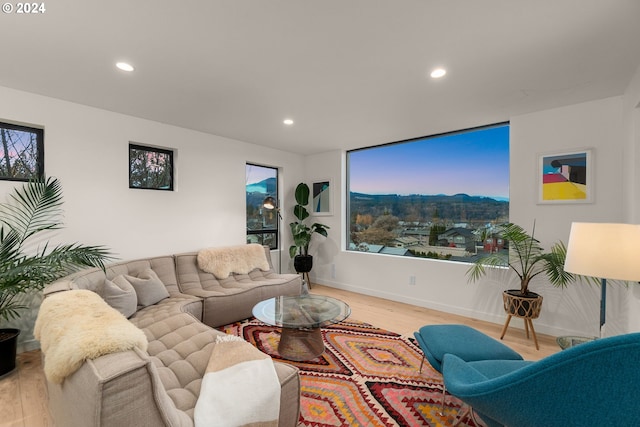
<point x="348" y="230"/>
<point x="152" y="149"/>
<point x="39" y="166"/>
<point x="275" y="232"/>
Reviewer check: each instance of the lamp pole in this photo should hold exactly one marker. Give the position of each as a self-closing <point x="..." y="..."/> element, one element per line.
<point x="272" y="204"/>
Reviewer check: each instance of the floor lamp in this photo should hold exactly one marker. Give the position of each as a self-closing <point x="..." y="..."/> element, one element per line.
<point x="604" y="251"/>
<point x="270" y="203"/>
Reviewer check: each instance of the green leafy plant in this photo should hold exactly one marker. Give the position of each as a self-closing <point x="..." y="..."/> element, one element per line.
<point x="302" y="232"/>
<point x="26" y="264"/>
<point x="526" y="258"/>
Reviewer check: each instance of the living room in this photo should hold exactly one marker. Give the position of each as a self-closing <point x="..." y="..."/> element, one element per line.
<point x="86" y="147"/>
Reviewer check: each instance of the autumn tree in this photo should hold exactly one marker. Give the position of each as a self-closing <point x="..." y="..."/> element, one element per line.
<point x="381" y="232"/>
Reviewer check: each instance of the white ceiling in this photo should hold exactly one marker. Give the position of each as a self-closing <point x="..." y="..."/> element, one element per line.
<point x="351" y="73"/>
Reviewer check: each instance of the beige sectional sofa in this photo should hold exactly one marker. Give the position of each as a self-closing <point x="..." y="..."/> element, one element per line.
<point x="160" y="387"/>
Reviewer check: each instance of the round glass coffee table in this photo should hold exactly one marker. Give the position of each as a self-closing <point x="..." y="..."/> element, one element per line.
<point x="301" y="318"/>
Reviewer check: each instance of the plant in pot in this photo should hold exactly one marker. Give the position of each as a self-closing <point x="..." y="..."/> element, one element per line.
<point x="302" y="233"/>
<point x="527" y="258"/>
<point x="26" y="263"/>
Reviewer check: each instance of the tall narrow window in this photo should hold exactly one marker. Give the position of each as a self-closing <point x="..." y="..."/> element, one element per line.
<point x="441" y="197"/>
<point x="262" y="223"/>
<point x="21" y="152"/>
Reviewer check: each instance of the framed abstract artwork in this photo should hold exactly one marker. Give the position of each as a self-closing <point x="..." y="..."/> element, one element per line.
<point x="565" y="177"/>
<point x="321" y="202"/>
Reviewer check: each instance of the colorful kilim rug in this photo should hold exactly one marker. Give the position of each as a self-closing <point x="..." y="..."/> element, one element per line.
<point x="366" y="377"/>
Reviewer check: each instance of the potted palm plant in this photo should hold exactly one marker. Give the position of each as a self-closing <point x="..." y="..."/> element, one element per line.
<point x="527" y="259"/>
<point x="299" y="251"/>
<point x="27" y="264"/>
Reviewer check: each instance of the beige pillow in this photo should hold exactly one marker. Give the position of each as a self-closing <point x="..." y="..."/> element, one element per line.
<point x="119" y="294"/>
<point x="149" y="287"/>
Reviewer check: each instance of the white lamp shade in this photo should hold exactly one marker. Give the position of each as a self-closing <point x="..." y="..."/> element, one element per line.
<point x="605" y="251"/>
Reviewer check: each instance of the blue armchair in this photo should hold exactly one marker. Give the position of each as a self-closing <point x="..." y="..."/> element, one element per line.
<point x="591" y="384"/>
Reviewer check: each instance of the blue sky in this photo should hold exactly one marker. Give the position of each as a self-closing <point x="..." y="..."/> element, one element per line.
<point x="475" y="163"/>
<point x="257" y="173"/>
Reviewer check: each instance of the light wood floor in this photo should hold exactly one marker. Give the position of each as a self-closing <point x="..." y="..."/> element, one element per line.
<point x="23" y="392"/>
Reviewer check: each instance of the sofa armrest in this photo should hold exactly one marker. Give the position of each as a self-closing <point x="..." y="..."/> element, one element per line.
<point x="114" y="390"/>
<point x="290" y="394"/>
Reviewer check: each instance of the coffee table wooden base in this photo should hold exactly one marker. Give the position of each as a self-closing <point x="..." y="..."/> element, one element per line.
<point x="301" y="344"/>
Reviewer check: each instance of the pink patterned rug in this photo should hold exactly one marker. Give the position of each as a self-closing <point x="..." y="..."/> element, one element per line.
<point x="366" y="377"/>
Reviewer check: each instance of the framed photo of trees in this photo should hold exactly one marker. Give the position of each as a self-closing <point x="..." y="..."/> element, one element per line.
<point x="21" y="152"/>
<point x="150" y="168"/>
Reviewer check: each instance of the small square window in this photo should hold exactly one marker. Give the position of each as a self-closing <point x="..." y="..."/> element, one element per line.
<point x="21" y="152"/>
<point x="150" y="168"/>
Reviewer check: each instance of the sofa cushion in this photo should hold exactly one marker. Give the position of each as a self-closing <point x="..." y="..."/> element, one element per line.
<point x="119" y="294"/>
<point x="149" y="288"/>
<point x="180" y="348"/>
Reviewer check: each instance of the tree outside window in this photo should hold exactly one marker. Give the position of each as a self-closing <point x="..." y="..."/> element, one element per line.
<point x="21" y="152"/>
<point x="150" y="168"/>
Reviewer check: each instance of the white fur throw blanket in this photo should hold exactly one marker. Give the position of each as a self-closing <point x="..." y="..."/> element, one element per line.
<point x="240" y="387"/>
<point x="76" y="325"/>
<point x="221" y="262"/>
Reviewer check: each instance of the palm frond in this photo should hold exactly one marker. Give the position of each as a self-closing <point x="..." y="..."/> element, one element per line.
<point x="34" y="208"/>
<point x="527" y="259"/>
<point x="478" y="270"/>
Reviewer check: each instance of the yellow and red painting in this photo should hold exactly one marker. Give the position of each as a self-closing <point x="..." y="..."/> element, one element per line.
<point x="565" y="177"/>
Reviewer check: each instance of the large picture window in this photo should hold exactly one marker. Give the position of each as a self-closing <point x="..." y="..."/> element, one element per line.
<point x="21" y="152"/>
<point x="262" y="223"/>
<point x="441" y="197"/>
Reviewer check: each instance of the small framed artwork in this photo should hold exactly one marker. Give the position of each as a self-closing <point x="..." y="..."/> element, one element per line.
<point x="322" y="198"/>
<point x="565" y="177"/>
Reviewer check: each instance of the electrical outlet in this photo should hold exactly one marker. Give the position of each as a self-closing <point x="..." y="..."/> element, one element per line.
<point x="333" y="271"/>
<point x="412" y="280"/>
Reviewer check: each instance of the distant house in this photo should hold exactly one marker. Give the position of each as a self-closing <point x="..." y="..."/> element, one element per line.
<point x="365" y="247"/>
<point x="493" y="244"/>
<point x="395" y="251"/>
<point x="380" y="249"/>
<point x="422" y="234"/>
<point x="405" y="242"/>
<point x="458" y="237"/>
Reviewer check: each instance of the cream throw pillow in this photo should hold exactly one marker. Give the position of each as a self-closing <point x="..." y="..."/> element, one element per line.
<point x="119" y="294"/>
<point x="149" y="288"/>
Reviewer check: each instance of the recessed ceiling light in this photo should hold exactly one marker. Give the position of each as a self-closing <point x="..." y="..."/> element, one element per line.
<point x="124" y="66"/>
<point x="287" y="122"/>
<point x="438" y="72"/>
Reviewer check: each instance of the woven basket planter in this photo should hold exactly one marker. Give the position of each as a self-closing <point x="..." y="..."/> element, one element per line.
<point x="526" y="307"/>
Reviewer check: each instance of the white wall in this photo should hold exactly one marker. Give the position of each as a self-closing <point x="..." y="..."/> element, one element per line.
<point x="631" y="111"/>
<point x="87" y="149"/>
<point x="443" y="285"/>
